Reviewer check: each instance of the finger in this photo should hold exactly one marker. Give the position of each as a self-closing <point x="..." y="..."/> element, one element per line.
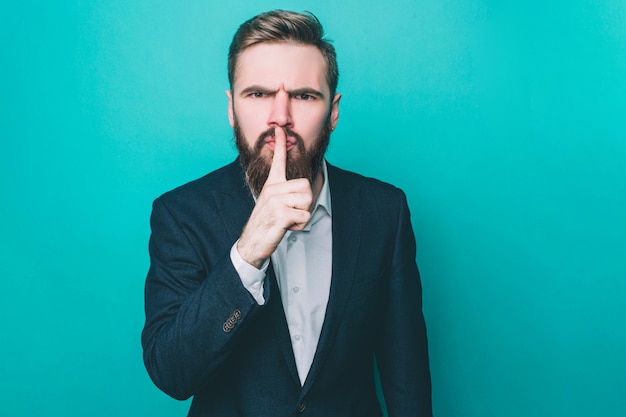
<point x="297" y="185"/>
<point x="279" y="161"/>
<point x="300" y="201"/>
<point x="300" y="220"/>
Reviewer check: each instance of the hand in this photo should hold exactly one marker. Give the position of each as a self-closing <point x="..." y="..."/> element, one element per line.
<point x="282" y="205"/>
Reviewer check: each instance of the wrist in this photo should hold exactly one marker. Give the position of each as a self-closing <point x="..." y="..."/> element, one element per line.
<point x="248" y="257"/>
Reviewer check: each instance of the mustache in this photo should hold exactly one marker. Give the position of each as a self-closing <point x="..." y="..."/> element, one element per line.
<point x="271" y="132"/>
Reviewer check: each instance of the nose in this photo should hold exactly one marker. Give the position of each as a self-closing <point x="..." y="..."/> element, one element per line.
<point x="280" y="114"/>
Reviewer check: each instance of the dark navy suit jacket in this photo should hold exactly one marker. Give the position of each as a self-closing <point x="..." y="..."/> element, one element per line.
<point x="206" y="337"/>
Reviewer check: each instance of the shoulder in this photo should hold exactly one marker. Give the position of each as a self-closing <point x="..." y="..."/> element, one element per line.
<point x="225" y="178"/>
<point x="378" y="201"/>
<point x="228" y="179"/>
<point x="341" y="179"/>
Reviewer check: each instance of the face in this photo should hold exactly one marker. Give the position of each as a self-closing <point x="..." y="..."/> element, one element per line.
<point x="281" y="85"/>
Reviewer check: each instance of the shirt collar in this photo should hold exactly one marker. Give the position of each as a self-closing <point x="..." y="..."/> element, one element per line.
<point x="323" y="199"/>
<point x="322" y="205"/>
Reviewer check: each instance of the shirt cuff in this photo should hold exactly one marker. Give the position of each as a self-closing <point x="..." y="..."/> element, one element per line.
<point x="251" y="277"/>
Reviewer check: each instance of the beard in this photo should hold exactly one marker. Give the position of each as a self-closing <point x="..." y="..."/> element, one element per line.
<point x="302" y="163"/>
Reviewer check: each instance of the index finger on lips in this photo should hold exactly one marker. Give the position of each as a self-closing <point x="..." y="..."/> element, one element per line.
<point x="279" y="161"/>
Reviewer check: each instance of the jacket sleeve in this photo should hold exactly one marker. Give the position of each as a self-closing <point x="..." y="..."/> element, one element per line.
<point x="196" y="309"/>
<point x="402" y="349"/>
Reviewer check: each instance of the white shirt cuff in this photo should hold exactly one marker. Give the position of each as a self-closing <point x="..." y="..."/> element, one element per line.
<point x="251" y="277"/>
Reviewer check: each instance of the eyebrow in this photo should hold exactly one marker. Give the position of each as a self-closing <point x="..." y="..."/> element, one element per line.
<point x="297" y="91"/>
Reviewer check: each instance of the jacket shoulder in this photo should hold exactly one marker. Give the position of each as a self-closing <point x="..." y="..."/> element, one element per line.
<point x="229" y="178"/>
<point x="343" y="179"/>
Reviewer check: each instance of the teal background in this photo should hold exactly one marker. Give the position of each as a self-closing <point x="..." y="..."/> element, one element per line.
<point x="502" y="121"/>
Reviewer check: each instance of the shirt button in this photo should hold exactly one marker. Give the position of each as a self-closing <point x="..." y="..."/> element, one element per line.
<point x="293" y="238"/>
<point x="296" y="289"/>
<point x="297" y="337"/>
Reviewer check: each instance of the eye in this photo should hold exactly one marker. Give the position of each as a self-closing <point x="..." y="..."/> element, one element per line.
<point x="305" y="97"/>
<point x="257" y="94"/>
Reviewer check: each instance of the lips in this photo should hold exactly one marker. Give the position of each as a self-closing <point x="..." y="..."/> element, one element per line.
<point x="291" y="142"/>
<point x="267" y="139"/>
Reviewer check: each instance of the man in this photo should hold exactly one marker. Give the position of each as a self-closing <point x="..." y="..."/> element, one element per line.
<point x="278" y="282"/>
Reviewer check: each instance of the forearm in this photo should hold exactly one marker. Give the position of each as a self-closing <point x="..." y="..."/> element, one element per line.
<point x="196" y="309"/>
<point x="185" y="340"/>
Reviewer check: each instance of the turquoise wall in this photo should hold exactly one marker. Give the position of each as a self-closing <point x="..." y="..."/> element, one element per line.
<point x="504" y="122"/>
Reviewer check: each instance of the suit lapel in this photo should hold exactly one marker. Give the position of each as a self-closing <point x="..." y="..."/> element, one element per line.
<point x="235" y="205"/>
<point x="280" y="328"/>
<point x="233" y="199"/>
<point x="346" y="218"/>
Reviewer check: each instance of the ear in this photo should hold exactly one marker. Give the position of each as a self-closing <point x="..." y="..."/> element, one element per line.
<point x="334" y="111"/>
<point x="231" y="111"/>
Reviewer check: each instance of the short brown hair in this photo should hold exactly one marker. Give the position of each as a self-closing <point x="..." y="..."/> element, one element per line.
<point x="284" y="26"/>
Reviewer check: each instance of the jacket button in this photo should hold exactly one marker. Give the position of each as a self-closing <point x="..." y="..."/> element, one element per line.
<point x="301" y="407"/>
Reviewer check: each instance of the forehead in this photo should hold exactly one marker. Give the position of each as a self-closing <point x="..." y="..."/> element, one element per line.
<point x="271" y="65"/>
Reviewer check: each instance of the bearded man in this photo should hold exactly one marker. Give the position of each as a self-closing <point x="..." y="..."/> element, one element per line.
<point x="278" y="283"/>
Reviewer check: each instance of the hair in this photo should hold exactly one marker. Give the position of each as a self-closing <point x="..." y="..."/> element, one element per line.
<point x="284" y="26"/>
